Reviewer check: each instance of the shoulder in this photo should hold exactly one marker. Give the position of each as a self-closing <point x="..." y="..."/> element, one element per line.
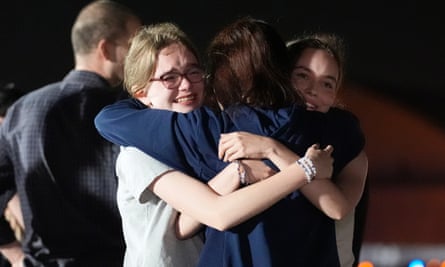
<point x="342" y="115"/>
<point x="36" y="100"/>
<point x="134" y="156"/>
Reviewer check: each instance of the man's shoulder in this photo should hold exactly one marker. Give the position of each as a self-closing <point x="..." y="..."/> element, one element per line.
<point x="42" y="92"/>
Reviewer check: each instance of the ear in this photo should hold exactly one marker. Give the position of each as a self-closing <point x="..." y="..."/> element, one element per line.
<point x="140" y="93"/>
<point x="106" y="49"/>
<point x="142" y="96"/>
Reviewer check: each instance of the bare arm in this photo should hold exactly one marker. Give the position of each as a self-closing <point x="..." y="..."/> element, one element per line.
<point x="13" y="253"/>
<point x="199" y="201"/>
<point x="336" y="200"/>
<point x="222" y="184"/>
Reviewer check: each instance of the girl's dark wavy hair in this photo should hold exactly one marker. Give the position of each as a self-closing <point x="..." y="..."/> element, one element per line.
<point x="248" y="63"/>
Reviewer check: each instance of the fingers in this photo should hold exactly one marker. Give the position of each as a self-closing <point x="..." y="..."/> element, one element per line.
<point x="329" y="149"/>
<point x="227" y="147"/>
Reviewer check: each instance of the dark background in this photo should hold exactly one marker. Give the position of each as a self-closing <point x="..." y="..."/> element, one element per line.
<point x="395" y="48"/>
<point x="395" y="84"/>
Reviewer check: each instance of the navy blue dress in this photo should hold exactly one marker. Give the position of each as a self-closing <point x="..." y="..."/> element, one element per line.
<point x="292" y="232"/>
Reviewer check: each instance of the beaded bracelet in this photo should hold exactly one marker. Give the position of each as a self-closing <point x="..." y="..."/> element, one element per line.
<point x="241" y="173"/>
<point x="309" y="169"/>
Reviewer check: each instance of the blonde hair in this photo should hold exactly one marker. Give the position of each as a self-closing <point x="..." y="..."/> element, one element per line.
<point x="141" y="60"/>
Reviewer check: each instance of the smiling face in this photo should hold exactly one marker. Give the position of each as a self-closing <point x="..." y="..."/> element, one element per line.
<point x="186" y="96"/>
<point x="316" y="77"/>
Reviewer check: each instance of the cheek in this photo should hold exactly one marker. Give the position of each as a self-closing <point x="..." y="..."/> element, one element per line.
<point x="300" y="84"/>
<point x="328" y="98"/>
<point x="161" y="98"/>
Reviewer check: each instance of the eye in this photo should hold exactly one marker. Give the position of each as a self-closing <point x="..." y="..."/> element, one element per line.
<point x="301" y="75"/>
<point x="195" y="72"/>
<point x="170" y="77"/>
<point x="329" y="85"/>
<point x="195" y="75"/>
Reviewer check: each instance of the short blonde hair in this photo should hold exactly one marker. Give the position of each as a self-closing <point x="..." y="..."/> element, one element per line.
<point x="141" y="60"/>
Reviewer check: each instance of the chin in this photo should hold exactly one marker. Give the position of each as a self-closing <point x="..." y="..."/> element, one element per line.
<point x="185" y="109"/>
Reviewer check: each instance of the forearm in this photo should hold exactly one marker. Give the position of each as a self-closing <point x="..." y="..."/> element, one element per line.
<point x="13" y="252"/>
<point x="186" y="226"/>
<point x="196" y="199"/>
<point x="280" y="155"/>
<point x="328" y="198"/>
<point x="224" y="184"/>
<point x="338" y="199"/>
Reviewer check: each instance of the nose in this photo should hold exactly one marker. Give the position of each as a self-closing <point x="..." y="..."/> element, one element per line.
<point x="311" y="89"/>
<point x="185" y="84"/>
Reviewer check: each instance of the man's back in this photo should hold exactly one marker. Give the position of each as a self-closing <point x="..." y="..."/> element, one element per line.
<point x="52" y="157"/>
<point x="64" y="173"/>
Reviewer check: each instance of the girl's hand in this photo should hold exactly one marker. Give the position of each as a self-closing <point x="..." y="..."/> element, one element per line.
<point x="238" y="145"/>
<point x="322" y="160"/>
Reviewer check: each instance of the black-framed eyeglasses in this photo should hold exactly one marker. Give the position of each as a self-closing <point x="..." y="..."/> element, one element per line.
<point x="172" y="80"/>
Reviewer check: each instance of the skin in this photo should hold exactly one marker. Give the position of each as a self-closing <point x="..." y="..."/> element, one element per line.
<point x="215" y="204"/>
<point x="315" y="75"/>
<point x="188" y="96"/>
<point x="107" y="60"/>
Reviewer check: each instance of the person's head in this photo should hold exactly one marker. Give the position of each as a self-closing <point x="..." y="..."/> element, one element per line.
<point x="163" y="69"/>
<point x="100" y="38"/>
<point x="318" y="68"/>
<point x="8" y="95"/>
<point x="248" y="64"/>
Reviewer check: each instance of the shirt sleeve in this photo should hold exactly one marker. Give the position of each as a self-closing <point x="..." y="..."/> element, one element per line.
<point x="129" y="123"/>
<point x="138" y="170"/>
<point x="187" y="142"/>
<point x="345" y="134"/>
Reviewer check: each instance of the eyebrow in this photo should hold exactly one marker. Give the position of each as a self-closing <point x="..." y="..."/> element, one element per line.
<point x="187" y="67"/>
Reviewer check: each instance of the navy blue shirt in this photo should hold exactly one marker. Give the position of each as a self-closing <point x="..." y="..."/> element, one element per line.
<point x="63" y="172"/>
<point x="292" y="232"/>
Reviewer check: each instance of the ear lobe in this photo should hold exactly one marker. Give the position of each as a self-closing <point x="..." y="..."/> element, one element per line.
<point x="140" y="93"/>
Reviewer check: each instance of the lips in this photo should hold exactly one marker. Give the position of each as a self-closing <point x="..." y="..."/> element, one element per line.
<point x="311" y="106"/>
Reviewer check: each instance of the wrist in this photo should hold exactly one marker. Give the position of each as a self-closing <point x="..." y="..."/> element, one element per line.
<point x="308" y="167"/>
<point x="242" y="174"/>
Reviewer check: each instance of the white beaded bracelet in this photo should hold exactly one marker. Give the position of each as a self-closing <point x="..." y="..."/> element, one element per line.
<point x="308" y="167"/>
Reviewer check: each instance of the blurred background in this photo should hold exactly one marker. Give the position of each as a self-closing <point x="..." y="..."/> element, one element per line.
<point x="395" y="85"/>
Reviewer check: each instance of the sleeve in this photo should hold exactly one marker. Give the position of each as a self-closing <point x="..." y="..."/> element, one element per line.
<point x="187" y="142"/>
<point x="129" y="123"/>
<point x="345" y="134"/>
<point x="138" y="170"/>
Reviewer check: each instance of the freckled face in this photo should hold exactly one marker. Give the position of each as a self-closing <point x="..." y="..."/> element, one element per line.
<point x="315" y="76"/>
<point x="187" y="95"/>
